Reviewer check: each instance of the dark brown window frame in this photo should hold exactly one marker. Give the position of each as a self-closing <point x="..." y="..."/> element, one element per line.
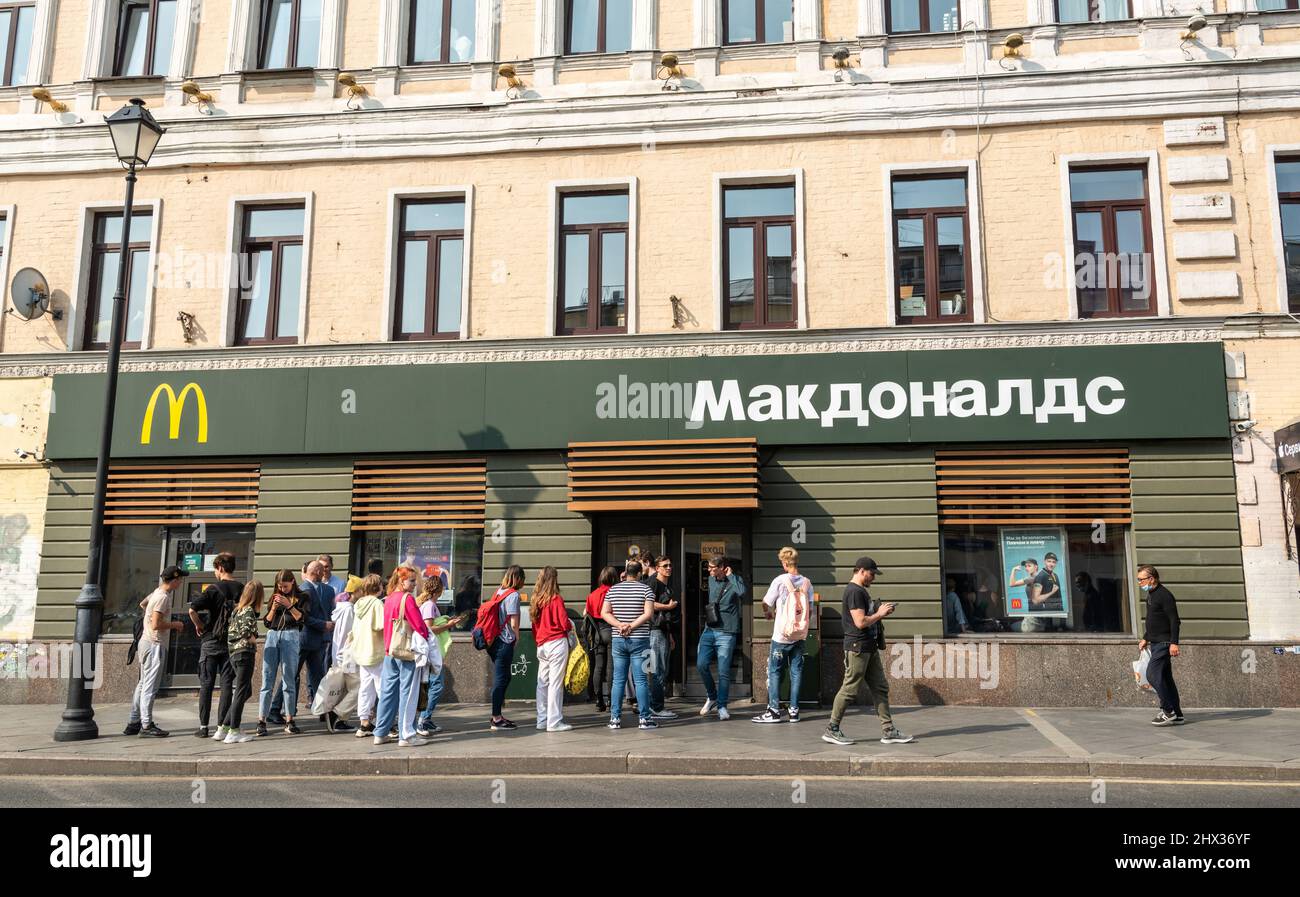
<point x="759" y="224"/>
<point x="247" y="247"/>
<point x="760" y="27"/>
<point x="1287" y="199"/>
<point x="263" y="23"/>
<point x="602" y="28"/>
<point x="444" y="52"/>
<point x="11" y="40"/>
<point x="151" y="39"/>
<point x="97" y="253"/>
<point x="433" y="240"/>
<point x="1291" y="6"/>
<point x="1094" y="12"/>
<point x="930" y="216"/>
<point x="923" y="8"/>
<point x="595" y="234"/>
<point x="1108" y="208"/>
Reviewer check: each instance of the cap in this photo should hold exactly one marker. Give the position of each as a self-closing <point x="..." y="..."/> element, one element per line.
<point x="172" y="573"/>
<point x="866" y="563"/>
<point x="1050" y="557"/>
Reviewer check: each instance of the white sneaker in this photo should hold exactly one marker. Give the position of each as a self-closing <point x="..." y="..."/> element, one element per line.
<point x="709" y="704"/>
<point x="663" y="714"/>
<point x="562" y="727"/>
<point x="222" y="733"/>
<point x="723" y="714"/>
<point x="541" y="726"/>
<point x="413" y="741"/>
<point x="235" y="738"/>
<point x="382" y="739"/>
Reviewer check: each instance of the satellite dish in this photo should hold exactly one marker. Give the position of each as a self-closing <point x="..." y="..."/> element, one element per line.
<point x="30" y="294"/>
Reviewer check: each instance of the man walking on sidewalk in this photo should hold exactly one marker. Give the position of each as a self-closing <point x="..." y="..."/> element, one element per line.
<point x="863" y="641"/>
<point x="787" y="648"/>
<point x="1161" y="635"/>
<point x="152" y="653"/>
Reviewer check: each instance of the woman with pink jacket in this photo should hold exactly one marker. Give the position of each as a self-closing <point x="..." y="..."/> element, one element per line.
<point x="397" y="696"/>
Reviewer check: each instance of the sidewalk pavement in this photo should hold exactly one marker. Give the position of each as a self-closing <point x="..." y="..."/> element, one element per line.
<point x="1255" y="745"/>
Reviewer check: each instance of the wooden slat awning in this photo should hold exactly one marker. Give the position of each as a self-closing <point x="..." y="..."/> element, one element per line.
<point x="664" y="475"/>
<point x="424" y="493"/>
<point x="1027" y="486"/>
<point x="182" y="494"/>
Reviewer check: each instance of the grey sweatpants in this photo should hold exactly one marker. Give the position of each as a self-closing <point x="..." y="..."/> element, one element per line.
<point x="150" y="657"/>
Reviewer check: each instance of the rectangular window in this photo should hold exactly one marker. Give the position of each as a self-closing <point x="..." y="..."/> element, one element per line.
<point x="593" y="249"/>
<point x="1277" y="5"/>
<point x="270" y="275"/>
<point x="431" y="259"/>
<point x="757" y="21"/>
<point x="758" y="263"/>
<point x="597" y="26"/>
<point x="15" y="42"/>
<point x="441" y="31"/>
<point x="1288" y="197"/>
<point x="290" y="34"/>
<point x="1072" y="11"/>
<point x="105" y="264"/>
<point x="145" y="29"/>
<point x="922" y="16"/>
<point x="1112" y="241"/>
<point x="931" y="249"/>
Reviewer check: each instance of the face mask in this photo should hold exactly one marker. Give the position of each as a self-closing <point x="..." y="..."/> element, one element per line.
<point x="1146" y="587"/>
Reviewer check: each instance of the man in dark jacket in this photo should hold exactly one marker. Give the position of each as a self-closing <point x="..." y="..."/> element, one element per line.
<point x="719" y="638"/>
<point x="1161" y="635"/>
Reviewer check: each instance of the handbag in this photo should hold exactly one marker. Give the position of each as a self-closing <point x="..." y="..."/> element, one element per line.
<point x="329" y="692"/>
<point x="399" y="646"/>
<point x="1140" y="670"/>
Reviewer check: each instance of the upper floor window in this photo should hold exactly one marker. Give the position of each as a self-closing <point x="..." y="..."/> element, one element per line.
<point x="597" y="26"/>
<point x="758" y="261"/>
<point x="441" y="31"/>
<point x="1277" y="5"/>
<point x="1071" y="11"/>
<point x="431" y="265"/>
<point x="145" y="29"/>
<point x="757" y="21"/>
<point x="1288" y="197"/>
<point x="921" y="16"/>
<point x="105" y="266"/>
<point x="1112" y="241"/>
<point x="270" y="275"/>
<point x="290" y="34"/>
<point x="593" y="262"/>
<point x="15" y="41"/>
<point x="931" y="255"/>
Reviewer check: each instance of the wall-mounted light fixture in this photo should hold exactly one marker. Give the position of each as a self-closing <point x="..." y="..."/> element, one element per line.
<point x="514" y="85"/>
<point x="355" y="91"/>
<point x="841" y="57"/>
<point x="1011" y="44"/>
<point x="668" y="71"/>
<point x="201" y="99"/>
<point x="188" y="325"/>
<point x="42" y="94"/>
<point x="1194" y="24"/>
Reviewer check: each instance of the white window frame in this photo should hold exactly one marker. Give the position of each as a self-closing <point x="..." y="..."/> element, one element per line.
<point x="1155" y="205"/>
<point x="551" y="27"/>
<point x="396" y="196"/>
<point x="235" y="240"/>
<point x="40" y="58"/>
<point x="76" y="341"/>
<point x="395" y="25"/>
<point x="245" y="24"/>
<point x="747" y="179"/>
<point x="1271" y="154"/>
<point x="968" y="168"/>
<point x="554" y="191"/>
<point x="805" y="23"/>
<point x="872" y="19"/>
<point x="7" y="214"/>
<point x="101" y="39"/>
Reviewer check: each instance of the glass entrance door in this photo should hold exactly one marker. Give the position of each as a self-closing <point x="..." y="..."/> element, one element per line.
<point x="196" y="557"/>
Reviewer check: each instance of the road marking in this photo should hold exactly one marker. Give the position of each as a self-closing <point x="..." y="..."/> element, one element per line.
<point x="1054" y="735"/>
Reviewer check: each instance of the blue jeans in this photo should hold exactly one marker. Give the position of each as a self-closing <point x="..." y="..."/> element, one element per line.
<point x="659" y="657"/>
<point x="436" y="684"/>
<point x="313" y="659"/>
<point x="629" y="652"/>
<point x="395" y="697"/>
<point x="719" y="644"/>
<point x="502" y="654"/>
<point x="778" y="657"/>
<point x="280" y="653"/>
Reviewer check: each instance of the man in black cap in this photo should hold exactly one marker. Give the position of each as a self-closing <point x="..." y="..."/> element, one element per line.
<point x="152" y="652"/>
<point x="863" y="639"/>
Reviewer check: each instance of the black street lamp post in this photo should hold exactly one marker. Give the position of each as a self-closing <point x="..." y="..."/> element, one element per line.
<point x="135" y="134"/>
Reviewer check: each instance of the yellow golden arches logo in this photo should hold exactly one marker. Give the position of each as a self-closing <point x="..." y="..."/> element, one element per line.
<point x="175" y="408"/>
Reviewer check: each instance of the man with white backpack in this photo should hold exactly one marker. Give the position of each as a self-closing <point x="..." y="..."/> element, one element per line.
<point x="788" y="603"/>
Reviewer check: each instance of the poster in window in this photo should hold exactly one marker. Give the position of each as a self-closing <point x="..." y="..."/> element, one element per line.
<point x="428" y="551"/>
<point x="1033" y="569"/>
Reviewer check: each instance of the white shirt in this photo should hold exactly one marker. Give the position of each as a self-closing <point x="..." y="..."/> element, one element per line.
<point x="344" y="614"/>
<point x="778" y="593"/>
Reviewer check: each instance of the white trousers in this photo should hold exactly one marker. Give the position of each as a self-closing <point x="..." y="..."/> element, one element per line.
<point x="552" y="663"/>
<point x="368" y="694"/>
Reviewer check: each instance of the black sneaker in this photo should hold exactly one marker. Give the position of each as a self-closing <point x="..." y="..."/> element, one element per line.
<point x="428" y="730"/>
<point x="261" y="728"/>
<point x="1164" y="719"/>
<point x="502" y="724"/>
<point x="291" y="728"/>
<point x="1179" y="719"/>
<point x="794" y="714"/>
<point x="365" y="729"/>
<point x="647" y="723"/>
<point x="834" y="735"/>
<point x="152" y="731"/>
<point x="768" y="716"/>
<point x="202" y="732"/>
<point x="340" y="726"/>
<point x="615" y="724"/>
<point x="275" y="718"/>
<point x="131" y="729"/>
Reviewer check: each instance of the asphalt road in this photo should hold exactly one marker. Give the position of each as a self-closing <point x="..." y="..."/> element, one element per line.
<point x="627" y="791"/>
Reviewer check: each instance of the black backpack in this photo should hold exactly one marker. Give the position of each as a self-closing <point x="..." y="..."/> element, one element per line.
<point x="221" y="625"/>
<point x="136" y="631"/>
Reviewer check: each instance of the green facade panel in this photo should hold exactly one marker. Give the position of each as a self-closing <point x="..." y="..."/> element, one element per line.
<point x="304" y="508"/>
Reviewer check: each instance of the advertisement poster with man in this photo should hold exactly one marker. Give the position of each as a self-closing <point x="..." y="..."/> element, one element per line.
<point x="1034" y="569"/>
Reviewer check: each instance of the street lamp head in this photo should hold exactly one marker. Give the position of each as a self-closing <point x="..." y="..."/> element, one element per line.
<point x="135" y="134"/>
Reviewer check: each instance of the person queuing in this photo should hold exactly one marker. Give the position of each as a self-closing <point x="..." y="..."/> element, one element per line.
<point x="327" y="563"/>
<point x="285" y="619"/>
<point x="313" y="651"/>
<point x="662" y="626"/>
<point x="1160" y="633"/>
<point x="217" y="601"/>
<point x="241" y="644"/>
<point x="502" y="649"/>
<point x="786" y="651"/>
<point x="430" y="593"/>
<point x="628" y="607"/>
<point x="551" y="626"/>
<point x="367" y="642"/>
<point x="721" y="632"/>
<point x="151" y="653"/>
<point x="598" y="638"/>
<point x="342" y="618"/>
<point x="399" y="691"/>
<point x="863" y="641"/>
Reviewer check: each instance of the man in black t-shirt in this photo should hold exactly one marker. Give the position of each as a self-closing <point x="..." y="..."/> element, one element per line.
<point x="662" y="625"/>
<point x="211" y="612"/>
<point x="1049" y="598"/>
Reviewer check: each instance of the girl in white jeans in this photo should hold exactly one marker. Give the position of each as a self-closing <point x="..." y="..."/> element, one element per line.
<point x="551" y="626"/>
<point x="367" y="641"/>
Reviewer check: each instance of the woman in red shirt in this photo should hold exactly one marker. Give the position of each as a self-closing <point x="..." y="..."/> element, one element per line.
<point x="598" y="634"/>
<point x="551" y="627"/>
